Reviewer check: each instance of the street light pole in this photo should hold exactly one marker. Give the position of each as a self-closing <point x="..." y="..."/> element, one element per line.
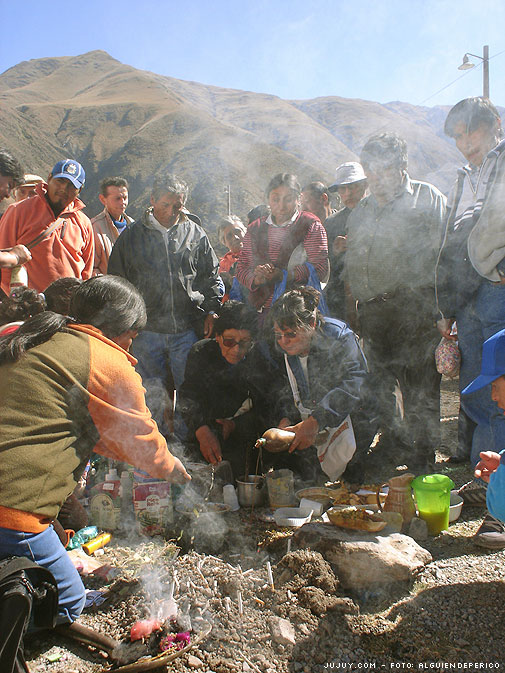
<point x="467" y="64"/>
<point x="485" y="70"/>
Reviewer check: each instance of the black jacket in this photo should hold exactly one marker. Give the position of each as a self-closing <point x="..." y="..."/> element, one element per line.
<point x="178" y="278"/>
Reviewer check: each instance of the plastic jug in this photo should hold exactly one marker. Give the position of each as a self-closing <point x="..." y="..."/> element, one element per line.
<point x="433" y="496"/>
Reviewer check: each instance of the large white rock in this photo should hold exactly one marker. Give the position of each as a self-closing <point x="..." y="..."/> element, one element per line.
<point x="363" y="560"/>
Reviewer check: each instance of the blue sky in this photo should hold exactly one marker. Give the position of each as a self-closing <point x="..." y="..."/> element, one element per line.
<point x="381" y="50"/>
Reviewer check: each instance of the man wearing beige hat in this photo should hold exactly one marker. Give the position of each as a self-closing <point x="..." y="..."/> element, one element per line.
<point x="351" y="185"/>
<point x="27" y="188"/>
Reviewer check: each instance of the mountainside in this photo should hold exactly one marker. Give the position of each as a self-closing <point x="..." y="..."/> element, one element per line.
<point x="117" y="120"/>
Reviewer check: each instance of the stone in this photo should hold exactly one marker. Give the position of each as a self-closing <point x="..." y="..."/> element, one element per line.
<point x="194" y="662"/>
<point x="418" y="529"/>
<point x="283" y="632"/>
<point x="364" y="561"/>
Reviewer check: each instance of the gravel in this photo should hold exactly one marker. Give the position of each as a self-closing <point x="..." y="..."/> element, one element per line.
<point x="450" y="615"/>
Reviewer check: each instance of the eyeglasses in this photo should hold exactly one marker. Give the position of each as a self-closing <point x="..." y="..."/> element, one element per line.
<point x="244" y="345"/>
<point x="285" y="335"/>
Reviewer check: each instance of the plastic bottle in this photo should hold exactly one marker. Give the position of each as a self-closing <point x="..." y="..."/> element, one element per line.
<point x="105" y="502"/>
<point x="82" y="536"/>
<point x="96" y="543"/>
<point x="19" y="277"/>
<point x="275" y="440"/>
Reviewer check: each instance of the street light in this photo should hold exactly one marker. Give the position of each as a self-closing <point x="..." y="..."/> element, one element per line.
<point x="467" y="64"/>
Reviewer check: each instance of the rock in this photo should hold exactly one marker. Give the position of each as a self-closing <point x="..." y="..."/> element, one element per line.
<point x="363" y="560"/>
<point x="194" y="662"/>
<point x="283" y="631"/>
<point x="418" y="529"/>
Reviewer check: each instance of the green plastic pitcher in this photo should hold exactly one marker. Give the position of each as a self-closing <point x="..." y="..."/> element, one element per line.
<point x="433" y="496"/>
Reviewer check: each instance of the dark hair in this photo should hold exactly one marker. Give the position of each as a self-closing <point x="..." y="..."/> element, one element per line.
<point x="21" y="304"/>
<point x="385" y="148"/>
<point x="236" y="315"/>
<point x="110" y="303"/>
<point x="297" y="308"/>
<point x="284" y="180"/>
<point x="258" y="211"/>
<point x="59" y="294"/>
<point x="228" y="221"/>
<point x="316" y="188"/>
<point x="10" y="167"/>
<point x="168" y="183"/>
<point x="474" y="112"/>
<point x="112" y="182"/>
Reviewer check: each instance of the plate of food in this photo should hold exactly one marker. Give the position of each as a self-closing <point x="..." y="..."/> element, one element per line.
<point x="197" y="509"/>
<point x="356" y="518"/>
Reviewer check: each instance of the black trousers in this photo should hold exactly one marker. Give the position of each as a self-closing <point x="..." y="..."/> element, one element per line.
<point x="400" y="338"/>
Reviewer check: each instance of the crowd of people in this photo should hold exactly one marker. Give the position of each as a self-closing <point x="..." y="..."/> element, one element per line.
<point x="129" y="337"/>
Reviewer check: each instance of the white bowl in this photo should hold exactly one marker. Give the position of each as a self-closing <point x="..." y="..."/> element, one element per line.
<point x="292" y="516"/>
<point x="455" y="506"/>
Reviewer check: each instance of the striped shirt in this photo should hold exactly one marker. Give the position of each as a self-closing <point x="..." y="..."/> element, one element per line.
<point x="315" y="245"/>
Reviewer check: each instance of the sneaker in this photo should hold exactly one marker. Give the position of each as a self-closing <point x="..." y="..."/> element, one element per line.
<point x="473" y="493"/>
<point x="491" y="533"/>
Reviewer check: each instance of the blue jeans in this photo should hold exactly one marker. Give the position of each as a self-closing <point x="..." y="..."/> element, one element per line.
<point x="157" y="355"/>
<point x="477" y="321"/>
<point x="46" y="549"/>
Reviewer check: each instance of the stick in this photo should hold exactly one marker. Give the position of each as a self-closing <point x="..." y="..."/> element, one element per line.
<point x="85" y="635"/>
<point x="270" y="575"/>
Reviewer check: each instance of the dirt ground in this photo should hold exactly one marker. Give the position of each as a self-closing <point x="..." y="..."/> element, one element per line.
<point x="450" y="615"/>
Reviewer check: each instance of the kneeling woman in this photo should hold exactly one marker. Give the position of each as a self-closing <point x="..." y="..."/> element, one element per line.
<point x="66" y="389"/>
<point x="222" y="398"/>
<point x="324" y="370"/>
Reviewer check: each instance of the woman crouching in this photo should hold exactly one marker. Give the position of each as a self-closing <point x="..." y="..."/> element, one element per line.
<point x="68" y="387"/>
<point x="324" y="370"/>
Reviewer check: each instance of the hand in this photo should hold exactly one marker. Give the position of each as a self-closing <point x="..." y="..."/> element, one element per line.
<point x="228" y="426"/>
<point x="444" y="326"/>
<point x="208" y="325"/>
<point x="22" y="253"/>
<point x="264" y="273"/>
<point x="305" y="434"/>
<point x="284" y="423"/>
<point x="209" y="445"/>
<point x="339" y="245"/>
<point x="178" y="474"/>
<point x="488" y="463"/>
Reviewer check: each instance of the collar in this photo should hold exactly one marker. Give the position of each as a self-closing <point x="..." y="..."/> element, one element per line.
<point x="93" y="331"/>
<point x="152" y="223"/>
<point x="72" y="207"/>
<point x="284" y="224"/>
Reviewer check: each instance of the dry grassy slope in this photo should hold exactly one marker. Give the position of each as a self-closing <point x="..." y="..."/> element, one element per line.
<point x="119" y="120"/>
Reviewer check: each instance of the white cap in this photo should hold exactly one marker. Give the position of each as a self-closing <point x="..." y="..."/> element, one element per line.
<point x="346" y="174"/>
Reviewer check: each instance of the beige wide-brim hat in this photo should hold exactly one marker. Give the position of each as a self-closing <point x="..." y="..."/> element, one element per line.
<point x="346" y="174"/>
<point x="30" y="180"/>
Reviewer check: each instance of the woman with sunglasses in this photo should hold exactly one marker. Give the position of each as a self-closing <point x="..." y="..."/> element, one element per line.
<point x="324" y="370"/>
<point x="222" y="398"/>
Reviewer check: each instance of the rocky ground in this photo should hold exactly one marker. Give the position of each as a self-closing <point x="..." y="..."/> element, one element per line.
<point x="450" y="614"/>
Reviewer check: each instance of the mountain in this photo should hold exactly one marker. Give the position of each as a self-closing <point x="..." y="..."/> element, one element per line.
<point x="117" y="120"/>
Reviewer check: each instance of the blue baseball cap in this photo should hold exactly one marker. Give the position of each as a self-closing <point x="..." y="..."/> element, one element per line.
<point x="71" y="170"/>
<point x="493" y="363"/>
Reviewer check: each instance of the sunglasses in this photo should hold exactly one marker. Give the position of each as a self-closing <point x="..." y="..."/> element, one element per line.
<point x="285" y="335"/>
<point x="244" y="345"/>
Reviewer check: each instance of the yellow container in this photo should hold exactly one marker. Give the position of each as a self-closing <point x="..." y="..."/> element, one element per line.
<point x="97" y="543"/>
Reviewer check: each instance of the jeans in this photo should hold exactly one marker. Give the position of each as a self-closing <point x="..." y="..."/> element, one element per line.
<point x="159" y="355"/>
<point x="46" y="549"/>
<point x="477" y="321"/>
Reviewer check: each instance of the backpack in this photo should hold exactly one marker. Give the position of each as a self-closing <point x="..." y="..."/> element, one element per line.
<point x="26" y="589"/>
